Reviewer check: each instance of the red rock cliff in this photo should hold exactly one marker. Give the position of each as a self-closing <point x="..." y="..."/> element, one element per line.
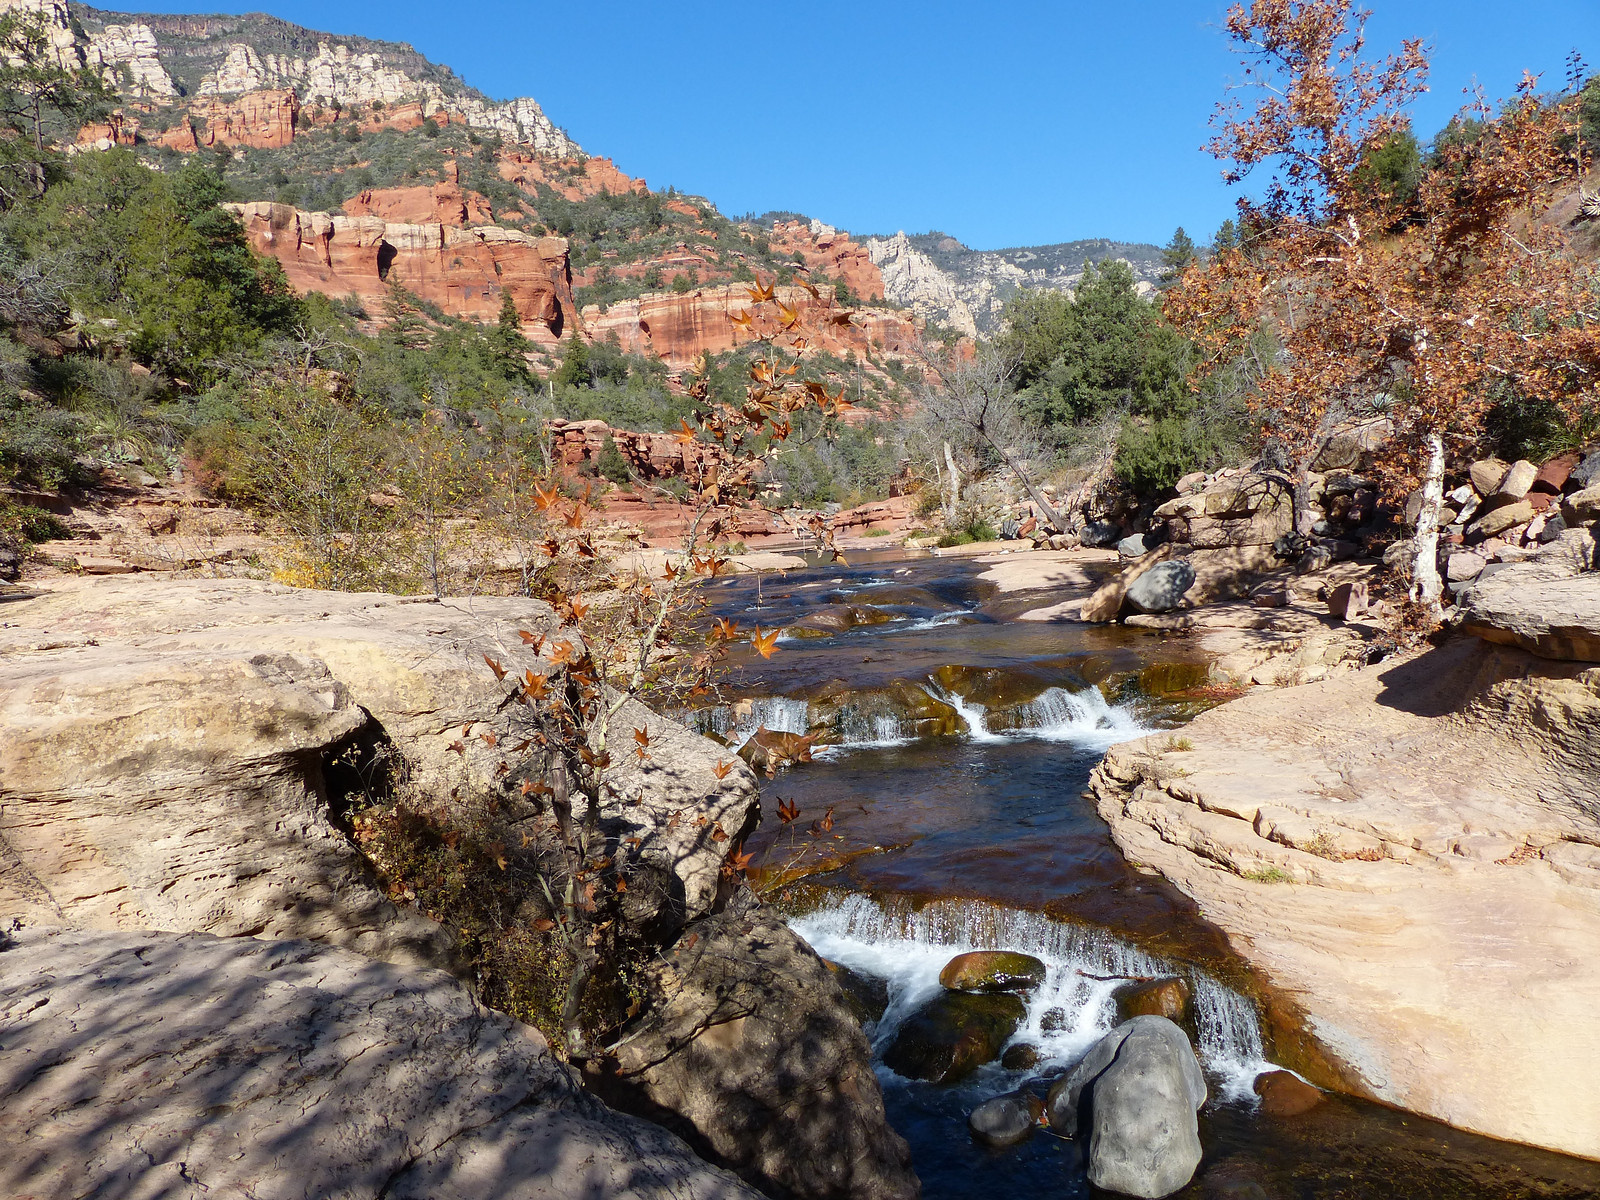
<point x="463" y="270"/>
<point x="680" y="327"/>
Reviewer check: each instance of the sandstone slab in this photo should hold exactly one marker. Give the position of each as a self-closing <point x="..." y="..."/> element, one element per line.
<point x="1540" y="606"/>
<point x="151" y="1064"/>
<point x="1409" y="856"/>
<point x="165" y="750"/>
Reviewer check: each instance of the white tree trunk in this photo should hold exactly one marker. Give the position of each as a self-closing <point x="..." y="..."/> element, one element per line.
<point x="955" y="485"/>
<point x="1426" y="586"/>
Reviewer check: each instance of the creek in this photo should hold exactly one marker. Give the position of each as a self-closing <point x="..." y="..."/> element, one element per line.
<point x="944" y="811"/>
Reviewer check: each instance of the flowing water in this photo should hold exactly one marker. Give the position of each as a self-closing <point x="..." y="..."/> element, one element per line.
<point x="954" y="746"/>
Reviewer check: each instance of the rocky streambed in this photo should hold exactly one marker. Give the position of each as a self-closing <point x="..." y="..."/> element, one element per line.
<point x="956" y="753"/>
<point x="939" y="786"/>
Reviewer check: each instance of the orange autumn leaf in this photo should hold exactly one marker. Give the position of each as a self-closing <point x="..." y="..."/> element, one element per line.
<point x="499" y="671"/>
<point x="788" y="811"/>
<point x="765" y="643"/>
<point x="722" y="768"/>
<point x="561" y="654"/>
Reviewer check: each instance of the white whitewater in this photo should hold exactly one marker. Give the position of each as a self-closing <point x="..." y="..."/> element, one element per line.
<point x="1085" y="719"/>
<point x="1084" y="965"/>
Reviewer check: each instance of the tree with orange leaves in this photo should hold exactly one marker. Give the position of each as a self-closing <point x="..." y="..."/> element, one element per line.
<point x="1428" y="307"/>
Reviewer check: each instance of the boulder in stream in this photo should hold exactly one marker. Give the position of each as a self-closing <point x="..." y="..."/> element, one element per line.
<point x="866" y="996"/>
<point x="1006" y="1120"/>
<point x="1135" y="1094"/>
<point x="992" y="971"/>
<point x="953" y="1035"/>
<point x="1166" y="997"/>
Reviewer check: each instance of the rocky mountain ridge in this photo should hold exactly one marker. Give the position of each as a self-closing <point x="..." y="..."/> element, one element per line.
<point x="944" y="281"/>
<point x="162" y="59"/>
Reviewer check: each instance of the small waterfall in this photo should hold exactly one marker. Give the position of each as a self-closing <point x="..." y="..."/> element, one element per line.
<point x="1066" y="1015"/>
<point x="1084" y="718"/>
<point x="975" y="715"/>
<point x="736" y="722"/>
<point x="1230" y="1036"/>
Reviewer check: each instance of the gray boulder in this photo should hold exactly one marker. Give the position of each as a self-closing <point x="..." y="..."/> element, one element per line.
<point x="1161" y="588"/>
<point x="1100" y="533"/>
<point x="1135" y="1094"/>
<point x="1005" y="1120"/>
<point x="1132" y="546"/>
<point x="1586" y="473"/>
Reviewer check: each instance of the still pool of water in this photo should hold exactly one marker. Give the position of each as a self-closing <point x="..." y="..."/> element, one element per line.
<point x="981" y="837"/>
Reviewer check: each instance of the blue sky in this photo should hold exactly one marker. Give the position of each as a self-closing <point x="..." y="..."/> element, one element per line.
<point x="1010" y="123"/>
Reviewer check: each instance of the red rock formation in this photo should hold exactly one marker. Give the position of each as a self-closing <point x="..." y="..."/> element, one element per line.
<point x="597" y="175"/>
<point x="118" y="129"/>
<point x="650" y="455"/>
<point x="679" y="328"/>
<point x="832" y="252"/>
<point x="445" y="203"/>
<point x="264" y="120"/>
<point x="463" y="270"/>
<point x="180" y="137"/>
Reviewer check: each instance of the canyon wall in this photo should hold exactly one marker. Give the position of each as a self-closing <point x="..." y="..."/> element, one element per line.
<point x="463" y="269"/>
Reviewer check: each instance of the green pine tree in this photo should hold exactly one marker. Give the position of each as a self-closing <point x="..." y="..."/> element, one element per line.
<point x="1177" y="255"/>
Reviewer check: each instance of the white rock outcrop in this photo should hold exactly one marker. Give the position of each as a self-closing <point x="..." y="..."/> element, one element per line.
<point x="128" y="58"/>
<point x="338" y="75"/>
<point x="913" y="279"/>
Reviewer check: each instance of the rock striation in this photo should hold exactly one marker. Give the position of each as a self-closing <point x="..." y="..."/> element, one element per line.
<point x="1409" y="854"/>
<point x="163" y="762"/>
<point x="141" y="1063"/>
<point x="678" y="328"/>
<point x="464" y="269"/>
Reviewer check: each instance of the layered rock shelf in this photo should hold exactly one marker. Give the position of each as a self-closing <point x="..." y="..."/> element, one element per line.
<point x="1409" y="854"/>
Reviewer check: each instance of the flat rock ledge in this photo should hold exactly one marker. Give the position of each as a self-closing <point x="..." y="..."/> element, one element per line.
<point x="186" y="1065"/>
<point x="1409" y="857"/>
<point x="1543" y="607"/>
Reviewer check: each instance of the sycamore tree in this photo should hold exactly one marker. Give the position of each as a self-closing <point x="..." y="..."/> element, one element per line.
<point x="1434" y="300"/>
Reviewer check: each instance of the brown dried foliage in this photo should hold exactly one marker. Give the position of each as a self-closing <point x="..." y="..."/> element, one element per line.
<point x="1430" y="301"/>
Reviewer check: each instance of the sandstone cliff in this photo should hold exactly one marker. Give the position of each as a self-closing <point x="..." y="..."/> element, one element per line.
<point x="465" y="270"/>
<point x="162" y="58"/>
<point x="679" y="327"/>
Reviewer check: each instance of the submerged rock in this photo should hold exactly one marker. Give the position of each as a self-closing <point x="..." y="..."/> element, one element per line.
<point x="992" y="971"/>
<point x="1167" y="997"/>
<point x="1006" y="1120"/>
<point x="1021" y="1057"/>
<point x="1286" y="1095"/>
<point x="837" y="618"/>
<point x="953" y="1035"/>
